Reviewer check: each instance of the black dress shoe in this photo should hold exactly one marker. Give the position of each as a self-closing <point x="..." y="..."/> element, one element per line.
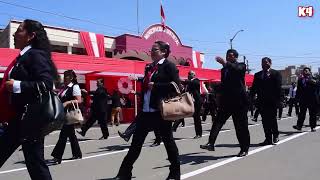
<point x="124" y="136"/>
<point x="208" y="146"/>
<point x="297" y="128"/>
<point x="56" y="161"/>
<point x="275" y="139"/>
<point x="76" y="157"/>
<point x="265" y="143"/>
<point x="155" y="144"/>
<point x="242" y="153"/>
<point x="313" y="130"/>
<point x="197" y="137"/>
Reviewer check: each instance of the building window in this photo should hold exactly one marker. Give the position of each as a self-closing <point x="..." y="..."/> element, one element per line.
<point x="59" y="49"/>
<point x="108" y="54"/>
<point x="79" y="51"/>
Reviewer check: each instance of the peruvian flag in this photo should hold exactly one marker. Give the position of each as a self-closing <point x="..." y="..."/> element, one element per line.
<point x="93" y="43"/>
<point x="163" y="17"/>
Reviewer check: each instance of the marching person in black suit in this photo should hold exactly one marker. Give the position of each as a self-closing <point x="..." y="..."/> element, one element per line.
<point x="308" y="99"/>
<point x="33" y="66"/>
<point x="98" y="111"/>
<point x="234" y="102"/>
<point x="193" y="87"/>
<point x="267" y="86"/>
<point x="156" y="86"/>
<point x="70" y="94"/>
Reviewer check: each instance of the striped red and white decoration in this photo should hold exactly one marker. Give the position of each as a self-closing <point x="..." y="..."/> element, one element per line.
<point x="93" y="43"/>
<point x="197" y="59"/>
<point x="197" y="62"/>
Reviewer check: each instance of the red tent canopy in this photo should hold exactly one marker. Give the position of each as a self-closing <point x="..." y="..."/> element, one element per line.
<point x="108" y="66"/>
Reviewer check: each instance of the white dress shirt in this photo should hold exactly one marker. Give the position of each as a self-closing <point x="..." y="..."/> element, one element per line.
<point x="16" y="83"/>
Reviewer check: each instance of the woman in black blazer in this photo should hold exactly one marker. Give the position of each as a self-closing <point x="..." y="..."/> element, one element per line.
<point x="70" y="94"/>
<point x="156" y="86"/>
<point x="33" y="66"/>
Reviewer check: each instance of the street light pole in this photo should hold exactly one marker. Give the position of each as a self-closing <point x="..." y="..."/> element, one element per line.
<point x="234" y="37"/>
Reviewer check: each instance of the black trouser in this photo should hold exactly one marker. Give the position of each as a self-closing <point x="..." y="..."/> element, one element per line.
<point x="280" y="110"/>
<point x="33" y="151"/>
<point x="101" y="117"/>
<point x="197" y="119"/>
<point x="148" y="122"/>
<point x="240" y="121"/>
<point x="293" y="102"/>
<point x="209" y="108"/>
<point x="269" y="122"/>
<point x="132" y="128"/>
<point x="177" y="123"/>
<point x="256" y="113"/>
<point x="67" y="131"/>
<point x="312" y="114"/>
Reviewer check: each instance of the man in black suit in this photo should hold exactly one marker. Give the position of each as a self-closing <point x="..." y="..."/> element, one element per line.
<point x="193" y="87"/>
<point x="98" y="110"/>
<point x="308" y="99"/>
<point x="267" y="86"/>
<point x="234" y="102"/>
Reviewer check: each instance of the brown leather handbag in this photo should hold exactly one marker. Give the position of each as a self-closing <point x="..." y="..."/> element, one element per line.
<point x="178" y="107"/>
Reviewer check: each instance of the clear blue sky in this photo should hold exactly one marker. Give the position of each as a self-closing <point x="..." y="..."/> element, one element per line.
<point x="271" y="27"/>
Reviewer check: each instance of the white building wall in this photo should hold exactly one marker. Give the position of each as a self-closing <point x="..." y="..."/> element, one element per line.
<point x="62" y="37"/>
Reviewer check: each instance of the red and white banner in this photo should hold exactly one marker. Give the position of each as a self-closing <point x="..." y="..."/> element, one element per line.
<point x="93" y="43"/>
<point x="197" y="59"/>
<point x="163" y="17"/>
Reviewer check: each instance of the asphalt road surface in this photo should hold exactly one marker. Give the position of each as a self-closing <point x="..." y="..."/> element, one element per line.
<point x="295" y="157"/>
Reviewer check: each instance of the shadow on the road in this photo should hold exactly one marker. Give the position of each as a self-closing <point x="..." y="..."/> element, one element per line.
<point x="111" y="148"/>
<point x="228" y="145"/>
<point x="196" y="158"/>
<point x="133" y="177"/>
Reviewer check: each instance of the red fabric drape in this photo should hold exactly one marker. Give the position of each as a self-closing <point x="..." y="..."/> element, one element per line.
<point x="85" y="38"/>
<point x="100" y="42"/>
<point x="7" y="111"/>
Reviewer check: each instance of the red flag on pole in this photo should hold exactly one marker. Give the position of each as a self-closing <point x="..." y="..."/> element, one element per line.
<point x="163" y="17"/>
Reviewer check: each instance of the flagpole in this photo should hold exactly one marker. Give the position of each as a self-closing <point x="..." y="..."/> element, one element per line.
<point x="138" y="28"/>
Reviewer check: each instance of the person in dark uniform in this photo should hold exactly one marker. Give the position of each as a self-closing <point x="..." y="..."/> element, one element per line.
<point x="70" y="94"/>
<point x="192" y="85"/>
<point x="98" y="111"/>
<point x="209" y="105"/>
<point x="33" y="66"/>
<point x="234" y="102"/>
<point x="267" y="86"/>
<point x="281" y="104"/>
<point x="156" y="86"/>
<point x="308" y="99"/>
<point x="293" y="100"/>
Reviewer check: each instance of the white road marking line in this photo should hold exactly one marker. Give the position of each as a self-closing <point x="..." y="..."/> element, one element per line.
<point x="114" y="137"/>
<point x="213" y="166"/>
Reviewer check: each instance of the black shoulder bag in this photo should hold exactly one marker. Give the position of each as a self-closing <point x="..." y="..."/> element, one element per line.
<point x="43" y="116"/>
